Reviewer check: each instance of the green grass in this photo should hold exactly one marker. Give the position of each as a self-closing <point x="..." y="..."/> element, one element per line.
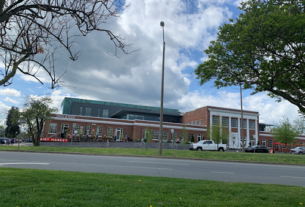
<point x="230" y="156"/>
<point x="26" y="187"/>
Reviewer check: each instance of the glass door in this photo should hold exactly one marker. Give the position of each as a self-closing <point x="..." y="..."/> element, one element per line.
<point x="64" y="130"/>
<point x="119" y="134"/>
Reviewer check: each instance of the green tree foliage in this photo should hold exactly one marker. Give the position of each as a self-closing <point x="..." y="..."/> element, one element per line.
<point x="285" y="132"/>
<point x="299" y="124"/>
<point x="36" y="112"/>
<point x="263" y="49"/>
<point x="12" y="125"/>
<point x="218" y="133"/>
<point x="148" y="134"/>
<point x="2" y="131"/>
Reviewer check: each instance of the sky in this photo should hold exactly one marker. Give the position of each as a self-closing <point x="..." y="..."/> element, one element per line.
<point x="135" y="78"/>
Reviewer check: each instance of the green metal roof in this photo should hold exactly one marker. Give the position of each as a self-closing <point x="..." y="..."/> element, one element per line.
<point x="67" y="105"/>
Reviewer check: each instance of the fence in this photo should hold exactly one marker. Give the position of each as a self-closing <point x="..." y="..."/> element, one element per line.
<point x="117" y="145"/>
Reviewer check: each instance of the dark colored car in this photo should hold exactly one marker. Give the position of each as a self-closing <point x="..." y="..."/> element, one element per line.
<point x="258" y="149"/>
<point x="3" y="141"/>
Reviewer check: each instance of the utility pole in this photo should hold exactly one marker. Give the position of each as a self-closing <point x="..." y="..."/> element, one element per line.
<point x="242" y="119"/>
<point x="162" y="89"/>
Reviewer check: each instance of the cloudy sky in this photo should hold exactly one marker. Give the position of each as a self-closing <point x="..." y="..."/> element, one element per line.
<point x="136" y="78"/>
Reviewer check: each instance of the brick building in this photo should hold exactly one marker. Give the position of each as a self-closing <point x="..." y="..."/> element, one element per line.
<point x="117" y="120"/>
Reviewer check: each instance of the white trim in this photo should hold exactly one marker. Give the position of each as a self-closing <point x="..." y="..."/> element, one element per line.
<point x="233" y="112"/>
<point x="234" y="115"/>
<point x="128" y="124"/>
<point x="269" y="135"/>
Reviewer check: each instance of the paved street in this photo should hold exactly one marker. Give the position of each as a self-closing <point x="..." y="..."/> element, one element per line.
<point x="190" y="169"/>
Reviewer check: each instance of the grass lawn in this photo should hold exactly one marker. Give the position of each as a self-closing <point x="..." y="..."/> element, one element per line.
<point x="205" y="155"/>
<point x="26" y="187"/>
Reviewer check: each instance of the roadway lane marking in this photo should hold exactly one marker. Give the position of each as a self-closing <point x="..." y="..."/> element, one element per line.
<point x="23" y="163"/>
<point x="156" y="163"/>
<point x="151" y="168"/>
<point x="291" y="177"/>
<point x="223" y="172"/>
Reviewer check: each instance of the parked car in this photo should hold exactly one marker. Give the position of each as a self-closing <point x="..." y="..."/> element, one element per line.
<point x="257" y="149"/>
<point x="3" y="141"/>
<point x="207" y="145"/>
<point x="298" y="150"/>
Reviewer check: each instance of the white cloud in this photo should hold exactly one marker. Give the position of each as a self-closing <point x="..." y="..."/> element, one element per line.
<point x="3" y="112"/>
<point x="11" y="100"/>
<point x="270" y="111"/>
<point x="9" y="92"/>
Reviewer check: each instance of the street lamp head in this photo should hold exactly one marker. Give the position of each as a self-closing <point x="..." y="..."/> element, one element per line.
<point x="162" y="24"/>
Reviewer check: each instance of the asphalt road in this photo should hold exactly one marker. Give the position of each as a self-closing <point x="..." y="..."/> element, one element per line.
<point x="189" y="169"/>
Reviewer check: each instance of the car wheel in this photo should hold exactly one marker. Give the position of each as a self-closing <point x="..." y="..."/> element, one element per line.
<point x="221" y="150"/>
<point x="301" y="153"/>
<point x="199" y="149"/>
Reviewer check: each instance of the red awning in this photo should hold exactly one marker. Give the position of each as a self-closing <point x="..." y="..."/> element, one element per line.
<point x="275" y="143"/>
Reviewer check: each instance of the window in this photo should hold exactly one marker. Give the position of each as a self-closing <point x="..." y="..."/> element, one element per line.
<point x="199" y="137"/>
<point x="190" y="137"/>
<point x="251" y="124"/>
<point x="215" y="120"/>
<point x="98" y="112"/>
<point x="192" y="122"/>
<point x="269" y="143"/>
<point x="225" y="122"/>
<point x="196" y="122"/>
<point x="88" y="111"/>
<point x="99" y="131"/>
<point x="75" y="127"/>
<point x="109" y="132"/>
<point x="200" y="122"/>
<point x="52" y="128"/>
<point x="233" y="123"/>
<point x="155" y="134"/>
<point x="165" y="135"/>
<point x="182" y="137"/>
<point x="244" y="124"/>
<point x="264" y="142"/>
<point x="81" y="111"/>
<point x="87" y="130"/>
<point x="189" y="122"/>
<point x="105" y="112"/>
<point x="174" y="136"/>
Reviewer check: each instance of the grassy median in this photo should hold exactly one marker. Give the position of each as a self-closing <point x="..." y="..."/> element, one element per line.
<point x="205" y="155"/>
<point x="26" y="187"/>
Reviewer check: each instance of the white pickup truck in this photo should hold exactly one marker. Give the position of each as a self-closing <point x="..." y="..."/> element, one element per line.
<point x="208" y="145"/>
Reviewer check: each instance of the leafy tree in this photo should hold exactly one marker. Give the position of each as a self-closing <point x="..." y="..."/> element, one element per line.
<point x="184" y="134"/>
<point x="12" y="125"/>
<point x="299" y="124"/>
<point x="148" y="134"/>
<point x="285" y="132"/>
<point x="2" y="131"/>
<point x="263" y="49"/>
<point x="32" y="30"/>
<point x="36" y="112"/>
<point x="218" y="133"/>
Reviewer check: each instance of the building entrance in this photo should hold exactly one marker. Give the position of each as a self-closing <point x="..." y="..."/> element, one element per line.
<point x="64" y="130"/>
<point x="119" y="134"/>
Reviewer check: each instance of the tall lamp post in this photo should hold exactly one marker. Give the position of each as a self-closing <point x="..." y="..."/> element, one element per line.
<point x="162" y="89"/>
<point x="242" y="119"/>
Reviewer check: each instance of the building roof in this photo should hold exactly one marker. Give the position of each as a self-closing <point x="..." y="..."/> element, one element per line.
<point x="67" y="105"/>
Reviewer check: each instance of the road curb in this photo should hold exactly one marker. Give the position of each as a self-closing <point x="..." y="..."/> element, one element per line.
<point x="181" y="158"/>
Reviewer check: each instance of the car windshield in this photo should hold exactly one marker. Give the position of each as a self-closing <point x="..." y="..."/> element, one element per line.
<point x="255" y="146"/>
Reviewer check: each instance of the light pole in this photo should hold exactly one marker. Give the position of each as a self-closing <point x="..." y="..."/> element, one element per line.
<point x="162" y="89"/>
<point x="242" y="119"/>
